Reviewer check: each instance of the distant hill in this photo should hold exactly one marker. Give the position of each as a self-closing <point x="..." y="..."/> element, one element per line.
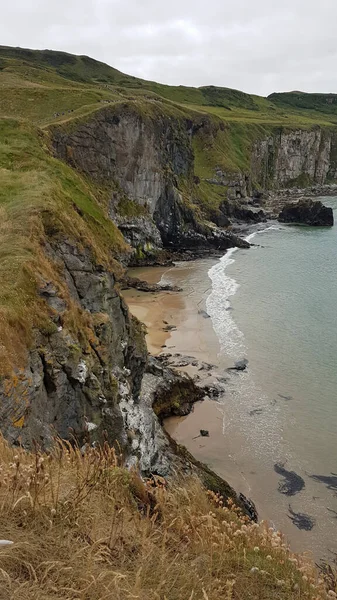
<point x="325" y="103"/>
<point x="51" y="67"/>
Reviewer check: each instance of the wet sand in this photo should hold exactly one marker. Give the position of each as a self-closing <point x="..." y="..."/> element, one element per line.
<point x="194" y="336"/>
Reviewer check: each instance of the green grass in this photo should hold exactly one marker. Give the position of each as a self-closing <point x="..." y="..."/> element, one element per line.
<point x="36" y="84"/>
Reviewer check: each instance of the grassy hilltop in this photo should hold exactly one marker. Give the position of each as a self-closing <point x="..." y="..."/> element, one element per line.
<point x="35" y="84"/>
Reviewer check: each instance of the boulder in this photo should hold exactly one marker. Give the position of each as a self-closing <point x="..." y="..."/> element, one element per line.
<point x="204" y="433"/>
<point x="307" y="212"/>
<point x="240" y="365"/>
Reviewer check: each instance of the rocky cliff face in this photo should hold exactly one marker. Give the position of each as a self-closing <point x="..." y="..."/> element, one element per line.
<point x="298" y="157"/>
<point x="143" y="154"/>
<point x="143" y="157"/>
<point x="276" y="160"/>
<point x="72" y="383"/>
<point x="96" y="384"/>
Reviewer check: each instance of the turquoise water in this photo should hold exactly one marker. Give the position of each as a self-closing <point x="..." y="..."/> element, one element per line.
<point x="276" y="304"/>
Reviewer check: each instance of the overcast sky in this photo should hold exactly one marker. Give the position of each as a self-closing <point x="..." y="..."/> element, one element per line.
<point x="258" y="46"/>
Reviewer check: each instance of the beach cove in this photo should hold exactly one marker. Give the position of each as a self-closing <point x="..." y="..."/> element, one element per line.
<point x="248" y="424"/>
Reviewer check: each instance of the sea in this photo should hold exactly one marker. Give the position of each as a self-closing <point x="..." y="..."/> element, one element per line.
<point x="275" y="305"/>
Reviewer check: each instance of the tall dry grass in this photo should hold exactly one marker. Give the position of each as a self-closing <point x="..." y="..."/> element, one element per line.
<point x="86" y="529"/>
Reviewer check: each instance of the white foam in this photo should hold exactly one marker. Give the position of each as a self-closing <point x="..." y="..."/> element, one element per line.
<point x="218" y="304"/>
<point x="262" y="434"/>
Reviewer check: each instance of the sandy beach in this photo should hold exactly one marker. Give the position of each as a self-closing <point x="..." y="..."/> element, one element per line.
<point x="193" y="335"/>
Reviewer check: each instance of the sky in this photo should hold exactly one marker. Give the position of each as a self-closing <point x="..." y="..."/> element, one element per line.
<point x="258" y="46"/>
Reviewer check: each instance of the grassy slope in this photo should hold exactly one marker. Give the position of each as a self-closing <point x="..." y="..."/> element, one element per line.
<point x="84" y="528"/>
<point x="57" y="82"/>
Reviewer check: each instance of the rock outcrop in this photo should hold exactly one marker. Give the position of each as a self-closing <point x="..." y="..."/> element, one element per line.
<point x="73" y="382"/>
<point x="299" y="157"/>
<point x="307" y="212"/>
<point x="142" y="158"/>
<point x="242" y="211"/>
<point x="98" y="382"/>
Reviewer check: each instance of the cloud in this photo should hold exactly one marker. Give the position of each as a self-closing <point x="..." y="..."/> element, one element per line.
<point x="258" y="47"/>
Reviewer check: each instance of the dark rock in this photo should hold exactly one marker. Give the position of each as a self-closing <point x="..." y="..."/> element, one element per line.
<point x="307" y="212"/>
<point x="143" y="286"/>
<point x="204" y="314"/>
<point x="241" y="211"/>
<point x="301" y="520"/>
<point x="240" y="365"/>
<point x="204" y="366"/>
<point x="172" y="392"/>
<point x="204" y="433"/>
<point x="292" y="483"/>
<point x="213" y="389"/>
<point x="250" y="508"/>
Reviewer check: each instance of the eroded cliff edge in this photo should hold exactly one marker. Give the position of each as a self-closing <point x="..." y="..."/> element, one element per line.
<point x="180" y="179"/>
<point x="125" y="183"/>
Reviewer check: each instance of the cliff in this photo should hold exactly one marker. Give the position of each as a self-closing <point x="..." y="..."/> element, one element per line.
<point x="143" y="152"/>
<point x="295" y="158"/>
<point x="98" y="171"/>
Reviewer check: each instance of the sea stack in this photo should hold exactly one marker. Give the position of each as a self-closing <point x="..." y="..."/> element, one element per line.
<point x="307" y="212"/>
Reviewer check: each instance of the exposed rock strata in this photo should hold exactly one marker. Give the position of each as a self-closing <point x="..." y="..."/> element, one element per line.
<point x="143" y="158"/>
<point x="299" y="156"/>
<point x="73" y="382"/>
<point x="307" y="212"/>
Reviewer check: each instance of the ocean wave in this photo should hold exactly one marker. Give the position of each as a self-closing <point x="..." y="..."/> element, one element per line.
<point x="218" y="305"/>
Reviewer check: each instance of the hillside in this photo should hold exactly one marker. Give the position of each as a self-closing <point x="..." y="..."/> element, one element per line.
<point x="83" y="527"/>
<point x="100" y="170"/>
<point x="38" y="83"/>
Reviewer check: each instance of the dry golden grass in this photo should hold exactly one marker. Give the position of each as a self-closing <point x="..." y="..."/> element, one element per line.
<point x="86" y="529"/>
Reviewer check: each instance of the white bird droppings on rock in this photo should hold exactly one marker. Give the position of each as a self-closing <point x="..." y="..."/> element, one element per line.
<point x="91" y="426"/>
<point x="82" y="371"/>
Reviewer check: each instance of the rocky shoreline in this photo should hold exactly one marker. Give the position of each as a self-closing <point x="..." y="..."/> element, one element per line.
<point x="207" y="382"/>
<point x="201" y="430"/>
<point x="172" y="384"/>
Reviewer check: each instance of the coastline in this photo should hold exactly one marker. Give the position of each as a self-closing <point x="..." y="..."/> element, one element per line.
<point x="193" y="335"/>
